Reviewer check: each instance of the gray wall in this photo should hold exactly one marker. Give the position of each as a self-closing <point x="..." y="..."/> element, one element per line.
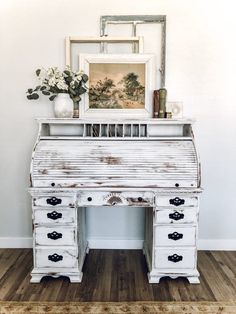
<point x="201" y="67"/>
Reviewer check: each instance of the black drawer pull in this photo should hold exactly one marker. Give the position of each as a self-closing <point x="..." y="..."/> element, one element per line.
<point x="176" y="216"/>
<point x="175" y="258"/>
<point x="175" y="236"/>
<point x="177" y="201"/>
<point x="55" y="235"/>
<point x="140" y="199"/>
<point x="89" y="199"/>
<point x="53" y="201"/>
<point x="55" y="257"/>
<point x="54" y="215"/>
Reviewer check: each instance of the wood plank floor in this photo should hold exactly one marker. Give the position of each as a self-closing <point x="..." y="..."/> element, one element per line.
<point x="117" y="275"/>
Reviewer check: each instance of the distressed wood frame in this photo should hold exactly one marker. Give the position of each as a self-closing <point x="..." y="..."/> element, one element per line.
<point x="137" y="43"/>
<point x="150" y="84"/>
<point x="105" y="20"/>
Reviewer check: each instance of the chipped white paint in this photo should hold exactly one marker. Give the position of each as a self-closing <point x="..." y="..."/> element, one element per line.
<point x="149" y="163"/>
<point x="137" y="199"/>
<point x="50" y="216"/>
<point x="162" y="216"/>
<point x="44" y="201"/>
<point x="56" y="235"/>
<point x="187" y="254"/>
<point x="177" y="236"/>
<point x="165" y="201"/>
<point x="68" y="255"/>
<point x="105" y="163"/>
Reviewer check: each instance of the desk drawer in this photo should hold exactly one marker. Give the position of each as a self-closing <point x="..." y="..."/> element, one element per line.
<point x="176" y="201"/>
<point x="55" y="257"/>
<point x="55" y="235"/>
<point x="54" y="201"/>
<point x="140" y="199"/>
<point x="174" y="236"/>
<point x="54" y="216"/>
<point x="176" y="216"/>
<point x="178" y="259"/>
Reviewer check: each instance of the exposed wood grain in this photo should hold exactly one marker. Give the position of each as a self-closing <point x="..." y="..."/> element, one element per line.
<point x="13" y="276"/>
<point x="103" y="286"/>
<point x="217" y="277"/>
<point x="103" y="163"/>
<point x="7" y="257"/>
<point x="117" y="275"/>
<point x="227" y="264"/>
<point x="51" y="289"/>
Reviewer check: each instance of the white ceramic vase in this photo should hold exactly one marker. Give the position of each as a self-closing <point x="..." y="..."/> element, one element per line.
<point x="63" y="106"/>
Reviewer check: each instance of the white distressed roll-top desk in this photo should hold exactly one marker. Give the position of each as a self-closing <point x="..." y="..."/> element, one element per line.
<point x="79" y="163"/>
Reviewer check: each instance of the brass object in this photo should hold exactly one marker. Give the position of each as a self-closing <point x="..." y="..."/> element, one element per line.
<point x="168" y="115"/>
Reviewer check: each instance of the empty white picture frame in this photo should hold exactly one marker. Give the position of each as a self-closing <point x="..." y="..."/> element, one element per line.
<point x="103" y="41"/>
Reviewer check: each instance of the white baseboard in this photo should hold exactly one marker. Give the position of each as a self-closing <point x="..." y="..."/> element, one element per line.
<point x="16" y="243"/>
<point x="101" y="243"/>
<point x="217" y="244"/>
<point x="115" y="244"/>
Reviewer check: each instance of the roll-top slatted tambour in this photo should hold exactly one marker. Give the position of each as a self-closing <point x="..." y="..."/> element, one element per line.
<point x="145" y="163"/>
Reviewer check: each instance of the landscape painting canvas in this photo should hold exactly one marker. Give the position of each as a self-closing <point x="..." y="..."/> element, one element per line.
<point x="117" y="86"/>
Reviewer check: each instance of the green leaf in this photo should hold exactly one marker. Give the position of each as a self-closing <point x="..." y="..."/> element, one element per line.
<point x="51" y="98"/>
<point x="37" y="88"/>
<point x="68" y="79"/>
<point x="30" y="90"/>
<point x="67" y="72"/>
<point x="72" y="91"/>
<point x="81" y="90"/>
<point x="34" y="96"/>
<point x="76" y="84"/>
<point x="43" y="88"/>
<point x="45" y="93"/>
<point x="53" y="90"/>
<point x="38" y="72"/>
<point x="85" y="78"/>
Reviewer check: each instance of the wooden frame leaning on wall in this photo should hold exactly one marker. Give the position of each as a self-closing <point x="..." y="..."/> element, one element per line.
<point x="136" y="41"/>
<point x="134" y="21"/>
<point x="129" y="81"/>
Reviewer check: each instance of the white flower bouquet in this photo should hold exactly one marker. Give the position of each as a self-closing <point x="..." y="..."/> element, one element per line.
<point x="53" y="81"/>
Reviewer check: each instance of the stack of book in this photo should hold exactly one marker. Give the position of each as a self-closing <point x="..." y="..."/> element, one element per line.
<point x="159" y="103"/>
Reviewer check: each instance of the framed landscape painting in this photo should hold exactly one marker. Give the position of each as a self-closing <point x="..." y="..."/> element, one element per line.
<point x="118" y="86"/>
